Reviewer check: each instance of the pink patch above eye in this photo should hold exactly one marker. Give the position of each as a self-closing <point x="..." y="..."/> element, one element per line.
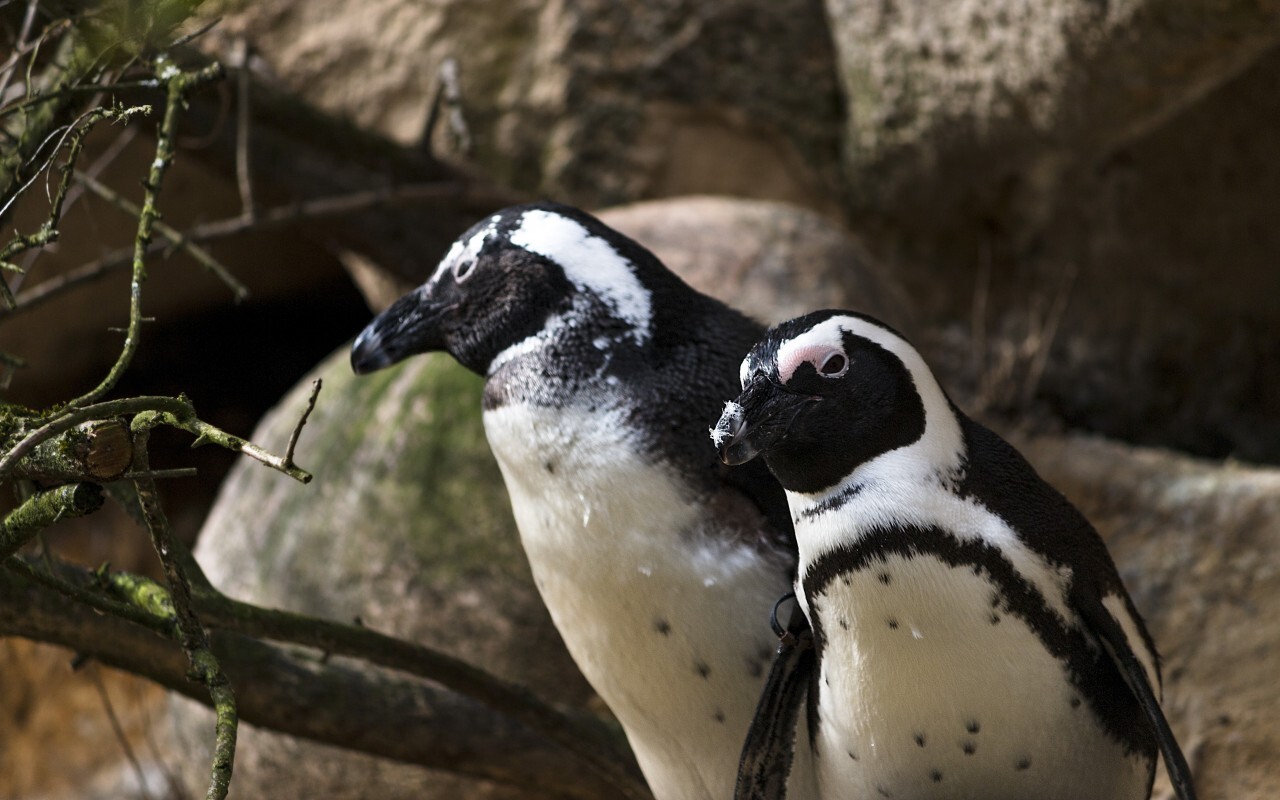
<point x="815" y="355"/>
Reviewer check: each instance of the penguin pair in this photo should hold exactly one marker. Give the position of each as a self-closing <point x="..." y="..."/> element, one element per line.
<point x="972" y="637"/>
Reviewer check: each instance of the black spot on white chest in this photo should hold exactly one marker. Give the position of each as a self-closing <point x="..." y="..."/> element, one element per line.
<point x="945" y="675"/>
<point x="662" y="608"/>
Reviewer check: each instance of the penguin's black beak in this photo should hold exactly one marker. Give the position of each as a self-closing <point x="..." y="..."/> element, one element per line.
<point x="756" y="421"/>
<point x="411" y="325"/>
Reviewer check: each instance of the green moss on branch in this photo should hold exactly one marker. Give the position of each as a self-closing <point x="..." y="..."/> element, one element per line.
<point x="140" y="592"/>
<point x="98" y="450"/>
<point x="43" y="509"/>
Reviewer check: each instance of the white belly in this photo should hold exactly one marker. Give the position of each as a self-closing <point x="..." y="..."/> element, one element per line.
<point x="928" y="690"/>
<point x="666" y="616"/>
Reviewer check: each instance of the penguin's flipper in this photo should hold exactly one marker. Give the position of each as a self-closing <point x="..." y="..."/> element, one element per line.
<point x="769" y="748"/>
<point x="1107" y="628"/>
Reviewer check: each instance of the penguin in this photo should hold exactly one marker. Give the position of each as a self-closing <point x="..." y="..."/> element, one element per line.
<point x="659" y="565"/>
<point x="972" y="636"/>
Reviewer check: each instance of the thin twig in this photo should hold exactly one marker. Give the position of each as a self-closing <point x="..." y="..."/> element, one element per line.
<point x="297" y="429"/>
<point x="77" y="132"/>
<point x="176" y="238"/>
<point x="71" y="91"/>
<point x="197" y="33"/>
<point x="179" y="84"/>
<point x="20" y="46"/>
<point x="95" y="676"/>
<point x="244" y="181"/>
<point x="173" y="789"/>
<point x="174" y="411"/>
<point x="34" y="175"/>
<point x="192" y="635"/>
<point x="161" y="474"/>
<point x="448" y="96"/>
<point x="68" y="66"/>
<point x="108" y="156"/>
<point x="453" y="102"/>
<point x="1049" y="332"/>
<point x="280" y="216"/>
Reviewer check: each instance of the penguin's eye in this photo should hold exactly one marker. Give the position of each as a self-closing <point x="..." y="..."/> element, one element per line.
<point x="834" y="365"/>
<point x="463" y="269"/>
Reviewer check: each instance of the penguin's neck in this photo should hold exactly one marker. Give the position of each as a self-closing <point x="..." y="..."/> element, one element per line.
<point x="887" y="501"/>
<point x="574" y="359"/>
<point x="924" y="472"/>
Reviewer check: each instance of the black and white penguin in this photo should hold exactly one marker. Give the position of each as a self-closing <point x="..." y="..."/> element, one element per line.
<point x="973" y="637"/>
<point x="659" y="565"/>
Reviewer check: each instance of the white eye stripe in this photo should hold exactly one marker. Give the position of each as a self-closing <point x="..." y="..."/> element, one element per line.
<point x="462" y="256"/>
<point x="816" y="354"/>
<point x="591" y="263"/>
<point x="463" y="268"/>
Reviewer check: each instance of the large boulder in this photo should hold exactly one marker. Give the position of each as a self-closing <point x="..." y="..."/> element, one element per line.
<point x="771" y="260"/>
<point x="1094" y="182"/>
<point x="593" y="102"/>
<point x="406" y="526"/>
<point x="1196" y="544"/>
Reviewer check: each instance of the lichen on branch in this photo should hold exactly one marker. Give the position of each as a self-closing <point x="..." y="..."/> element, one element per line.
<point x="42" y="509"/>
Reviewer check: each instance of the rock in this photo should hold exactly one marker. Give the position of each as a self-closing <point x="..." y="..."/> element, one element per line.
<point x="771" y="260"/>
<point x="407" y="527"/>
<point x="591" y="102"/>
<point x="1096" y="181"/>
<point x="943" y="85"/>
<point x="1195" y="542"/>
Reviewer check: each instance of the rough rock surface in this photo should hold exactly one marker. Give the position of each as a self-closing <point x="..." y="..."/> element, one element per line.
<point x="589" y="101"/>
<point x="927" y="81"/>
<point x="1096" y="176"/>
<point x="772" y="260"/>
<point x="1196" y="544"/>
<point x="405" y="526"/>
<point x="1093" y="178"/>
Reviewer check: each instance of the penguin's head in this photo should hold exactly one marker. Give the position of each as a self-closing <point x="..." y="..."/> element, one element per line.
<point x="827" y="392"/>
<point x="506" y="281"/>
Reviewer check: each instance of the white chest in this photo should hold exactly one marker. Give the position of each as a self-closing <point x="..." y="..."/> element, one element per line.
<point x="662" y="608"/>
<point x="930" y="687"/>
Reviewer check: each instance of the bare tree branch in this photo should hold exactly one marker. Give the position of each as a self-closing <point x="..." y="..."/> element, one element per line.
<point x="42" y="509"/>
<point x="302" y="420"/>
<point x="191" y="633"/>
<point x="330" y="701"/>
<point x="177" y="239"/>
<point x="179" y="84"/>
<point x="445" y="194"/>
<point x="175" y="411"/>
